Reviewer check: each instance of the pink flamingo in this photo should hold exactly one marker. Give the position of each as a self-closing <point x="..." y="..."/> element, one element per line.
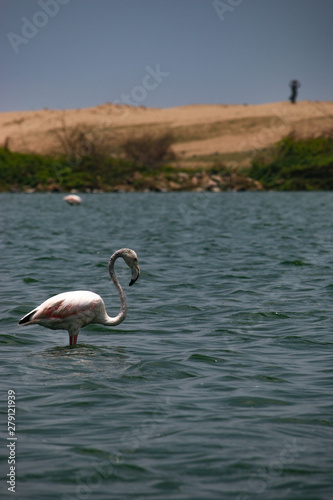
<point x="73" y="310"/>
<point x="73" y="199"/>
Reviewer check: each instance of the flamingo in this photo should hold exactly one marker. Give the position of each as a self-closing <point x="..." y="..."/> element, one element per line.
<point x="73" y="199"/>
<point x="73" y="310"/>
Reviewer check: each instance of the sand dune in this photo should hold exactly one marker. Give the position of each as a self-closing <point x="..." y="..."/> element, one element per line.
<point x="199" y="129"/>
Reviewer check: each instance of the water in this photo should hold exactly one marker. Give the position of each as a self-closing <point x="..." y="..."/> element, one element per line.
<point x="218" y="385"/>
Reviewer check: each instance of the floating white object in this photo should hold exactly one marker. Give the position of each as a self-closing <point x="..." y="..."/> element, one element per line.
<point x="73" y="199"/>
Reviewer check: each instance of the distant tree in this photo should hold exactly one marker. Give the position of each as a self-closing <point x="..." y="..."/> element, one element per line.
<point x="149" y="150"/>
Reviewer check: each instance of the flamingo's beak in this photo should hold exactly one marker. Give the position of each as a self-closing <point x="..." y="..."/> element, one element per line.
<point x="135" y="273"/>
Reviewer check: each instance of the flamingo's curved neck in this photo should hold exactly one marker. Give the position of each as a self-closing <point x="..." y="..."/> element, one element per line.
<point x="123" y="301"/>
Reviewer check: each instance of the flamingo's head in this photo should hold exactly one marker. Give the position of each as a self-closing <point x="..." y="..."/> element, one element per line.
<point x="131" y="260"/>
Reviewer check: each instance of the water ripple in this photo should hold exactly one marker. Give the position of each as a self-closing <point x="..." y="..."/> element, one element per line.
<point x="219" y="382"/>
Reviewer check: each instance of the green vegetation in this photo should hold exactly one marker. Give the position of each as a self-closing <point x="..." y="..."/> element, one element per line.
<point x="296" y="164"/>
<point x="29" y="171"/>
<point x="20" y="170"/>
<point x="143" y="163"/>
<point x="86" y="162"/>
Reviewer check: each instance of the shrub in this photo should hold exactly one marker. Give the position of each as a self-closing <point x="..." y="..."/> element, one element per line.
<point x="149" y="150"/>
<point x="17" y="169"/>
<point x="296" y="164"/>
<point x="21" y="171"/>
<point x="82" y="141"/>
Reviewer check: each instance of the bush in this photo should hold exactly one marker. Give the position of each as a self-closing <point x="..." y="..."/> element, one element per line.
<point x="21" y="171"/>
<point x="82" y="141"/>
<point x="149" y="150"/>
<point x="17" y="169"/>
<point x="296" y="164"/>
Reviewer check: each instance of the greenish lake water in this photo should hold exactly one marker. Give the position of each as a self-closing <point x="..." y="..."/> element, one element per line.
<point x="218" y="385"/>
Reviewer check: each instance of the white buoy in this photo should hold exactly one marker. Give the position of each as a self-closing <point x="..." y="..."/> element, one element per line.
<point x="73" y="199"/>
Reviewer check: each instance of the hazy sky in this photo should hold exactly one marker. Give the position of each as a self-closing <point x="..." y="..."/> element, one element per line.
<point x="162" y="53"/>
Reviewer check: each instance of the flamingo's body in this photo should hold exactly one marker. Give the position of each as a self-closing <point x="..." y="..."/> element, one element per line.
<point x="73" y="199"/>
<point x="73" y="310"/>
<point x="68" y="311"/>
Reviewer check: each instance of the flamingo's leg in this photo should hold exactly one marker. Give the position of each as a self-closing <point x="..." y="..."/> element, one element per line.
<point x="73" y="339"/>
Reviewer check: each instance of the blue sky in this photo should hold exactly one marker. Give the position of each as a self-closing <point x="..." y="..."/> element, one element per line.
<point x="65" y="54"/>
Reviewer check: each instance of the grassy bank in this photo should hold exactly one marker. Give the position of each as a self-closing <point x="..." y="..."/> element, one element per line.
<point x="30" y="172"/>
<point x="43" y="173"/>
<point x="292" y="164"/>
<point x="296" y="164"/>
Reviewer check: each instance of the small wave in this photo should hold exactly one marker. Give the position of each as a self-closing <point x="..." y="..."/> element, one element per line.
<point x="296" y="262"/>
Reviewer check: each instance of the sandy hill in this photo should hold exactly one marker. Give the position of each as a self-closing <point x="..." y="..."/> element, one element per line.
<point x="199" y="130"/>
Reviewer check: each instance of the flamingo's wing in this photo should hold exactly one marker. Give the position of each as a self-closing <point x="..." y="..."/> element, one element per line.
<point x="70" y="308"/>
<point x="27" y="318"/>
<point x="50" y="309"/>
